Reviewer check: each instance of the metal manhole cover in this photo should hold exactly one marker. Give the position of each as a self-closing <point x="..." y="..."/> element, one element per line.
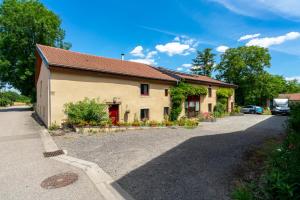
<point x="59" y="180"/>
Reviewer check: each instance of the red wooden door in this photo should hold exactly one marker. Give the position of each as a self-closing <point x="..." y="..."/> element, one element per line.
<point x="114" y="113"/>
<point x="193" y="106"/>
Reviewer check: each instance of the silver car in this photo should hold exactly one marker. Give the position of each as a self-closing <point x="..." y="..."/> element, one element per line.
<point x="249" y="109"/>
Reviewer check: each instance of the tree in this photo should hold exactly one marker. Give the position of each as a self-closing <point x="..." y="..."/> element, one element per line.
<point x="245" y="67"/>
<point x="204" y="62"/>
<point x="23" y="24"/>
<point x="292" y="86"/>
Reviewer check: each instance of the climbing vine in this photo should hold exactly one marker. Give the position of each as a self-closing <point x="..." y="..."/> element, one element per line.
<point x="222" y="100"/>
<point x="224" y="92"/>
<point x="179" y="93"/>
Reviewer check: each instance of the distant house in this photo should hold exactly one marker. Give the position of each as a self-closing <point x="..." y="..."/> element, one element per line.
<point x="131" y="90"/>
<point x="292" y="97"/>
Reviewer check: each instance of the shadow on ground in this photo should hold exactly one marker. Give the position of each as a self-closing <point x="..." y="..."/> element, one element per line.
<point x="15" y="109"/>
<point x="199" y="168"/>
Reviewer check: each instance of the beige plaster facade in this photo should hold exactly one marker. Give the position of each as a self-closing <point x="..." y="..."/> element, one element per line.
<point x="71" y="87"/>
<point x="42" y="94"/>
<point x="206" y="100"/>
<point x="56" y="87"/>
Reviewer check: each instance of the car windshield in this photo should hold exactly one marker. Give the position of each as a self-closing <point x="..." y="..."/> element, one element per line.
<point x="282" y="105"/>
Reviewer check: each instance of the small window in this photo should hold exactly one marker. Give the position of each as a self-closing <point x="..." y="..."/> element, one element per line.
<point x="145" y="89"/>
<point x="209" y="107"/>
<point x="166" y="111"/>
<point x="144" y="114"/>
<point x="209" y="91"/>
<point x="166" y="92"/>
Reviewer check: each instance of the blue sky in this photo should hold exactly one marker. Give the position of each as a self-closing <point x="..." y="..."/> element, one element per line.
<point x="167" y="33"/>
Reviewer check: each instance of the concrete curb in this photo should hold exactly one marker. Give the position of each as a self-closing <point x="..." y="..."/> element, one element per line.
<point x="108" y="189"/>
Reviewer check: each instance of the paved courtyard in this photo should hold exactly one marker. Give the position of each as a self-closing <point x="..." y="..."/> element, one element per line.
<point x="23" y="167"/>
<point x="175" y="163"/>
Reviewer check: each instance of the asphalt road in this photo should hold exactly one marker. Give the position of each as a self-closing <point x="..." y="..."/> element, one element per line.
<point x="23" y="167"/>
<point x="176" y="163"/>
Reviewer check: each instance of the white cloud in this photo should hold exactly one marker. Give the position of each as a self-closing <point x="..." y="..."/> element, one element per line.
<point x="222" y="48"/>
<point x="263" y="8"/>
<point x="173" y="48"/>
<point x="293" y="78"/>
<point x="181" y="45"/>
<point x="138" y="52"/>
<point x="187" y="65"/>
<point x="179" y="68"/>
<point x="269" y="41"/>
<point x="247" y="37"/>
<point x="146" y="59"/>
<point x="151" y="54"/>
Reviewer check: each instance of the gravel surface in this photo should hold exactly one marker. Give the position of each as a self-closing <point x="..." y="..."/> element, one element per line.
<point x="176" y="163"/>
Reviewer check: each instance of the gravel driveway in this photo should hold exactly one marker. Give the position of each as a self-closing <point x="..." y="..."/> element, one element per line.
<point x="176" y="163"/>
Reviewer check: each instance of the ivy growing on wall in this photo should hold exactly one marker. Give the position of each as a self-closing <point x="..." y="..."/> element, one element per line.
<point x="222" y="100"/>
<point x="179" y="93"/>
<point x="224" y="92"/>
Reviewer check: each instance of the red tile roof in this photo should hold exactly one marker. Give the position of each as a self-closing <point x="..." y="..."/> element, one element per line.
<point x="70" y="59"/>
<point x="291" y="97"/>
<point x="197" y="78"/>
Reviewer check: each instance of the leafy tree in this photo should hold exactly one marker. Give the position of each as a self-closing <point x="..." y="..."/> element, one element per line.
<point x="245" y="67"/>
<point x="292" y="86"/>
<point x="23" y="24"/>
<point x="204" y="62"/>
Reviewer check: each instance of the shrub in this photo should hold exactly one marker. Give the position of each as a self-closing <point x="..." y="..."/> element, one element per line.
<point x="136" y="123"/>
<point x="86" y="112"/>
<point x="153" y="123"/>
<point x="219" y="110"/>
<point x="237" y="109"/>
<point x="267" y="111"/>
<point x="124" y="124"/>
<point x="53" y="127"/>
<point x="281" y="178"/>
<point x="188" y="123"/>
<point x="205" y="116"/>
<point x="5" y="101"/>
<point x="14" y="97"/>
<point x="23" y="99"/>
<point x="294" y="120"/>
<point x="181" y="121"/>
<point x="168" y="123"/>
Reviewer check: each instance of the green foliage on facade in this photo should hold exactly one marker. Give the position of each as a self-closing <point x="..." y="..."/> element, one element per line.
<point x="224" y="92"/>
<point x="179" y="93"/>
<point x="222" y="100"/>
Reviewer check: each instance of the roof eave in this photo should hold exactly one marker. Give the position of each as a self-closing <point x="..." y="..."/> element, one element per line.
<point x="108" y="72"/>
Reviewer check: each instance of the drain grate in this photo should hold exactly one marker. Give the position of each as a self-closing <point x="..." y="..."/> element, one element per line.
<point x="53" y="153"/>
<point x="59" y="180"/>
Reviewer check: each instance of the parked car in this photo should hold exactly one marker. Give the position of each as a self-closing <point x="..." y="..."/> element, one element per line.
<point x="252" y="109"/>
<point x="280" y="106"/>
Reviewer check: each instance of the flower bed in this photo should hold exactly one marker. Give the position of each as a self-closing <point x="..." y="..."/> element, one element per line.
<point x="89" y="130"/>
